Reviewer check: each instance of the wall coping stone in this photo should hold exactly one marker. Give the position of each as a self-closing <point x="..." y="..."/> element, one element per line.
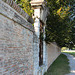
<point x="19" y="10"/>
<point x="54" y="44"/>
<point x="10" y="13"/>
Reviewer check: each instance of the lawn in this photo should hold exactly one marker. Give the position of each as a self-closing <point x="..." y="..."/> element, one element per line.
<point x="59" y="67"/>
<point x="69" y="52"/>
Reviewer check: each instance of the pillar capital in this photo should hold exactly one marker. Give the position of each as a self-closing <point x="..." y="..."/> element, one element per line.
<point x="37" y="3"/>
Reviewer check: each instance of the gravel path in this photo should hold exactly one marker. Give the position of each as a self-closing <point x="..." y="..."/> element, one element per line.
<point x="71" y="63"/>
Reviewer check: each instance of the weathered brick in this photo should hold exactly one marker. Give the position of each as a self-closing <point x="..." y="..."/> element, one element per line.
<point x="16" y="45"/>
<point x="18" y="9"/>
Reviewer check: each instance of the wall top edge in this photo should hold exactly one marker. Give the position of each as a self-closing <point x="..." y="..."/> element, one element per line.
<point x="12" y="4"/>
<point x="10" y="13"/>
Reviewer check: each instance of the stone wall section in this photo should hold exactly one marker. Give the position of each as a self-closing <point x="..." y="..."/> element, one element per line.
<point x="16" y="42"/>
<point x="38" y="70"/>
<point x="53" y="51"/>
<point x="9" y="12"/>
<point x="36" y="55"/>
<point x="12" y="4"/>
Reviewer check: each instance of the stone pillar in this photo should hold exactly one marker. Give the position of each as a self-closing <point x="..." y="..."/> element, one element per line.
<point x="44" y="50"/>
<point x="36" y="5"/>
<point x="36" y="44"/>
<point x="37" y="21"/>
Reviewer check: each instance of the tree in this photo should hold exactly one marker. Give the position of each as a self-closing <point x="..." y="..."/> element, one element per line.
<point x="58" y="23"/>
<point x="72" y="23"/>
<point x="25" y="5"/>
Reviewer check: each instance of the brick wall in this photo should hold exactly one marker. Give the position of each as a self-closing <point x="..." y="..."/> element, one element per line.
<point x="19" y="46"/>
<point x="16" y="42"/>
<point x="53" y="51"/>
<point x="18" y="9"/>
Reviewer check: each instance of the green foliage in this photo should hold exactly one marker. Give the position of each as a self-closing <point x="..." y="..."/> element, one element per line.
<point x="72" y="33"/>
<point x="64" y="48"/>
<point x="25" y="5"/>
<point x="58" y="23"/>
<point x="59" y="67"/>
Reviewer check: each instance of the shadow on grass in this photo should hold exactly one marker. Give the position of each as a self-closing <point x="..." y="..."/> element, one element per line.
<point x="59" y="67"/>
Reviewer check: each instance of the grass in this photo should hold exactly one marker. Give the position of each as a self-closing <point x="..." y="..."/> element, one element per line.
<point x="59" y="67"/>
<point x="72" y="53"/>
